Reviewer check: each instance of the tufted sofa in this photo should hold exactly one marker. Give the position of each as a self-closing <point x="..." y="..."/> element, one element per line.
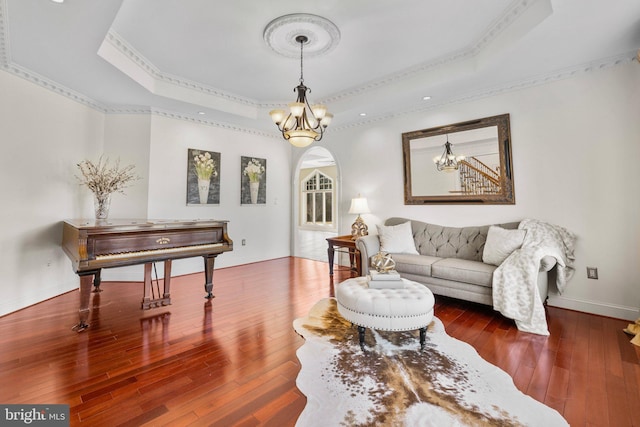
<point x="449" y="262"/>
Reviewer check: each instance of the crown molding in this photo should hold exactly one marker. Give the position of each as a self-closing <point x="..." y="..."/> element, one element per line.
<point x="7" y="65"/>
<point x="4" y="35"/>
<point x="497" y="28"/>
<point x="116" y="50"/>
<point x="125" y="109"/>
<point x="221" y="125"/>
<point x="143" y="64"/>
<point x="512" y="13"/>
<point x="593" y="66"/>
<point x="136" y="57"/>
<point x="119" y="43"/>
<point x="161" y="112"/>
<point x="587" y="68"/>
<point x="53" y="86"/>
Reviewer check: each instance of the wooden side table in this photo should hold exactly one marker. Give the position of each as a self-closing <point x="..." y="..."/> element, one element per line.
<point x="348" y="246"/>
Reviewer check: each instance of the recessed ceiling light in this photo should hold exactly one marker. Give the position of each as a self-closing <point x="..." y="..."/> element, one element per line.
<point x="363" y="114"/>
<point x="58" y="1"/>
<point x="202" y="113"/>
<point x="426" y="98"/>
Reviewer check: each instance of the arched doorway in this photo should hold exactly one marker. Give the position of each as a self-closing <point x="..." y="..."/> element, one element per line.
<point x="315" y="207"/>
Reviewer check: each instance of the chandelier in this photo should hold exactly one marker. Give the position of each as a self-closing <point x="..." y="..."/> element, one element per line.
<point x="304" y="123"/>
<point x="448" y="162"/>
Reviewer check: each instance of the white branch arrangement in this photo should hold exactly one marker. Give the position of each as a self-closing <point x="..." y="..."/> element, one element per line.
<point x="103" y="179"/>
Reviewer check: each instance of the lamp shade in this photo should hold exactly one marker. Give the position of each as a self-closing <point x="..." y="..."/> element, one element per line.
<point x="300" y="137"/>
<point x="296" y="108"/>
<point x="359" y="206"/>
<point x="277" y="116"/>
<point x="319" y="111"/>
<point x="326" y="120"/>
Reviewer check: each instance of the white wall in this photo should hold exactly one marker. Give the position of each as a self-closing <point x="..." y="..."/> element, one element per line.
<point x="127" y="137"/>
<point x="159" y="145"/>
<point x="42" y="137"/>
<point x="576" y="154"/>
<point x="266" y="228"/>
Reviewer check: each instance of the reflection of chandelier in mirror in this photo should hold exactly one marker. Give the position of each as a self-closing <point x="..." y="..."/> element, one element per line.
<point x="448" y="162"/>
<point x="305" y="123"/>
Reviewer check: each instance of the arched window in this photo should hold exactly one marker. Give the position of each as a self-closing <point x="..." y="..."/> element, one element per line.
<point x="317" y="192"/>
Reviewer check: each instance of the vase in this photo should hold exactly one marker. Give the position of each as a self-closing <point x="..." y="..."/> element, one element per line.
<point x="101" y="204"/>
<point x="203" y="190"/>
<point x="254" y="186"/>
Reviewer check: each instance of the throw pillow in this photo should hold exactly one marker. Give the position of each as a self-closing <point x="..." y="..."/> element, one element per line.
<point x="500" y="244"/>
<point x="397" y="239"/>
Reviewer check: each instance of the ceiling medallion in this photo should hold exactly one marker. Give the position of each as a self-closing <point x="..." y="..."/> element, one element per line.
<point x="303" y="123"/>
<point x="322" y="35"/>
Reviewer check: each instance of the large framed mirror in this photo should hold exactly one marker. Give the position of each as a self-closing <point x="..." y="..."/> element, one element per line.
<point x="462" y="163"/>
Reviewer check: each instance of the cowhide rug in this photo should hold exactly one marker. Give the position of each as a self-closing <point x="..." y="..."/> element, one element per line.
<point x="393" y="383"/>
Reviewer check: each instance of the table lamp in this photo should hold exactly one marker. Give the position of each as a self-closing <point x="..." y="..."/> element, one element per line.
<point x="359" y="206"/>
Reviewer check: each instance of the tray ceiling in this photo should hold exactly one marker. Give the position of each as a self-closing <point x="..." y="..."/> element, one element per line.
<point x="182" y="58"/>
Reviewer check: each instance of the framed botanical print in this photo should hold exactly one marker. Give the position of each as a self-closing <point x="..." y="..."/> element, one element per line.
<point x="253" y="180"/>
<point x="203" y="177"/>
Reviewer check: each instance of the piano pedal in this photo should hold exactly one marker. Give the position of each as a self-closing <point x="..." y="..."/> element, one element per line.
<point x="148" y="304"/>
<point x="80" y="327"/>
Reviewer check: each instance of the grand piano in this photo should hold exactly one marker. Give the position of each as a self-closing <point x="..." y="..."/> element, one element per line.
<point x="92" y="245"/>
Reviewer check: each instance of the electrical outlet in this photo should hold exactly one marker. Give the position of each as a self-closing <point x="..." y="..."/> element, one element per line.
<point x="592" y="273"/>
<point x="244" y="242"/>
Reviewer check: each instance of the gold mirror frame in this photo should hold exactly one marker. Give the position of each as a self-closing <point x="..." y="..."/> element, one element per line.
<point x="502" y="188"/>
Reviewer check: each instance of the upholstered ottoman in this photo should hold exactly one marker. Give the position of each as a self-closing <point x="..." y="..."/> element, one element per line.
<point x="401" y="309"/>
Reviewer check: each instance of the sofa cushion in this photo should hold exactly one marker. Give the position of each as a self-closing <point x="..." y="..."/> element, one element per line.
<point x="462" y="270"/>
<point x="501" y="243"/>
<point x="414" y="264"/>
<point x="449" y="242"/>
<point x="397" y="239"/>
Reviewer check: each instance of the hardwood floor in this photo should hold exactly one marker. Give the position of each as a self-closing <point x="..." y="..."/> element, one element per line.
<point x="231" y="361"/>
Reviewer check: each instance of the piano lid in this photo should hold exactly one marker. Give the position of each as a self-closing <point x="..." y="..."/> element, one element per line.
<point x="142" y="223"/>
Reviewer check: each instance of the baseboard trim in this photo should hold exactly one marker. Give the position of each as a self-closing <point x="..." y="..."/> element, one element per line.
<point x="609" y="310"/>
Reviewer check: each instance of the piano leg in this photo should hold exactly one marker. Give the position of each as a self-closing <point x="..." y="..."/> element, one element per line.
<point x="86" y="280"/>
<point x="146" y="298"/>
<point x="208" y="275"/>
<point x="166" y="297"/>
